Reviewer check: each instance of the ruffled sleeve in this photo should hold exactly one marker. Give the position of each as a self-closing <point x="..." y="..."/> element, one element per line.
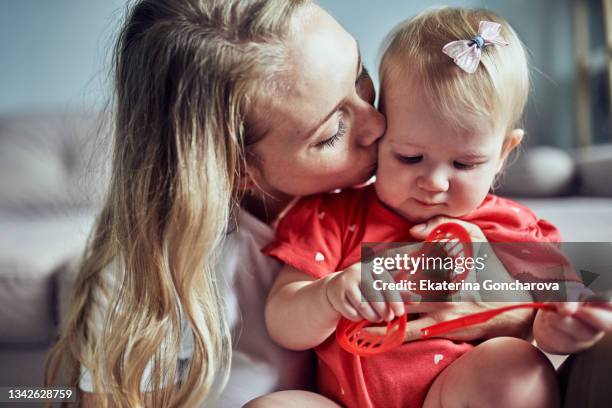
<point x="309" y="236"/>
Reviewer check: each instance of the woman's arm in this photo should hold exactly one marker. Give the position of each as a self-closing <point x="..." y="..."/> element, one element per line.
<point x="299" y="315"/>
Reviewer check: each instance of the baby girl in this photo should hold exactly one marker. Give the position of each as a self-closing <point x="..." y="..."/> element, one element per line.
<point x="454" y="85"/>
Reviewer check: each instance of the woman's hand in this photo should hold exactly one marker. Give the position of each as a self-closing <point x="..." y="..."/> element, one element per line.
<point x="515" y="323"/>
<point x="573" y="327"/>
<point x="346" y="297"/>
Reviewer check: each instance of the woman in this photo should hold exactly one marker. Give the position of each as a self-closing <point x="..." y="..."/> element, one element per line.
<point x="225" y="110"/>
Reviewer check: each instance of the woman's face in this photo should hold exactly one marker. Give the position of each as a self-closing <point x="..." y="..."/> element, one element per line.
<point x="320" y="132"/>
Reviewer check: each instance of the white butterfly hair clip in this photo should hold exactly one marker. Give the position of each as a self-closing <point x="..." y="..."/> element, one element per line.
<point x="466" y="53"/>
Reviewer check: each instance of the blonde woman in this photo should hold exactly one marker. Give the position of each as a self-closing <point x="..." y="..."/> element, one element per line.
<point x="225" y="110"/>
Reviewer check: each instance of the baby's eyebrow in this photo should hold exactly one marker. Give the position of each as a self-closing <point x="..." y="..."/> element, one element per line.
<point x="399" y="143"/>
<point x="473" y="155"/>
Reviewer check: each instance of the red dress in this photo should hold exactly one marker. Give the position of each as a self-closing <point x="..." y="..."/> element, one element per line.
<point x="323" y="234"/>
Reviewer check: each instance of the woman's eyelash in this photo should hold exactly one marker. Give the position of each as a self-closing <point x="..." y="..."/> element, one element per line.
<point x="332" y="140"/>
<point x="410" y="159"/>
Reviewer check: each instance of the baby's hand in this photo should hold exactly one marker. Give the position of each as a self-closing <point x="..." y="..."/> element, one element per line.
<point x="421" y="231"/>
<point x="573" y="327"/>
<point x="345" y="296"/>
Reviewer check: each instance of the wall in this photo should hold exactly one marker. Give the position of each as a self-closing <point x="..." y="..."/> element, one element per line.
<point x="54" y="53"/>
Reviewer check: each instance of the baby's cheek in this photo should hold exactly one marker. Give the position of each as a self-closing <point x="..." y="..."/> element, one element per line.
<point x="475" y="190"/>
<point x="385" y="190"/>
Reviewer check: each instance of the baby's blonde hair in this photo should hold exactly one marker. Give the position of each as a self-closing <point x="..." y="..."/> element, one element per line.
<point x="497" y="92"/>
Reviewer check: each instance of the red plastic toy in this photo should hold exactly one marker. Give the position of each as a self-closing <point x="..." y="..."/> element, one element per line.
<point x="450" y="238"/>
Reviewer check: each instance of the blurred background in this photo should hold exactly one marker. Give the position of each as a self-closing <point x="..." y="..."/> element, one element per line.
<point x="55" y="54"/>
<point x="54" y="64"/>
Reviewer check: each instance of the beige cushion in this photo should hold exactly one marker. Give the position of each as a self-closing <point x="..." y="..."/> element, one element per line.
<point x="51" y="162"/>
<point x="32" y="250"/>
<point x="541" y="171"/>
<point x="595" y="170"/>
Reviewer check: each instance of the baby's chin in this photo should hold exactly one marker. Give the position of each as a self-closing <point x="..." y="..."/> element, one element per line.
<point x="417" y="217"/>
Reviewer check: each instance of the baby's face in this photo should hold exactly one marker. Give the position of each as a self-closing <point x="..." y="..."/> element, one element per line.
<point x="428" y="168"/>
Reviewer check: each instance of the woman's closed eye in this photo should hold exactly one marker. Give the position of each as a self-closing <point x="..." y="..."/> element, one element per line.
<point x="365" y="90"/>
<point x="410" y="159"/>
<point x="331" y="141"/>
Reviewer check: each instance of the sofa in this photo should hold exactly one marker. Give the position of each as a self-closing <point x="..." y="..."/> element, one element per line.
<point x="50" y="190"/>
<point x="53" y="172"/>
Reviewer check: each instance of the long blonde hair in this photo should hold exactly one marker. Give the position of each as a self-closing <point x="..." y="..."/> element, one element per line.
<point x="497" y="92"/>
<point x="186" y="73"/>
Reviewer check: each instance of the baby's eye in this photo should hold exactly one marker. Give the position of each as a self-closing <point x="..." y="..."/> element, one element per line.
<point x="409" y="159"/>
<point x="464" y="166"/>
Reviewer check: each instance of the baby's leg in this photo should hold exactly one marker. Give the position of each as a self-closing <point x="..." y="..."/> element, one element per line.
<point x="501" y="372"/>
<point x="283" y="399"/>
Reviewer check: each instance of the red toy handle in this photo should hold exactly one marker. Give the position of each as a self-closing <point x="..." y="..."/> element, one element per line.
<point x="477" y="318"/>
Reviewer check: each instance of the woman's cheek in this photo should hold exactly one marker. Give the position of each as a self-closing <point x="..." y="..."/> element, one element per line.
<point x="335" y="165"/>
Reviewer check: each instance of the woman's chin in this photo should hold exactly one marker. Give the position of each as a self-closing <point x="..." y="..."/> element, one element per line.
<point x="366" y="182"/>
<point x="368" y="178"/>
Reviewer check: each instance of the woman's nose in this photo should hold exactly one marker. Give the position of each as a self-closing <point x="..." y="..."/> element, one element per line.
<point x="371" y="127"/>
<point x="433" y="182"/>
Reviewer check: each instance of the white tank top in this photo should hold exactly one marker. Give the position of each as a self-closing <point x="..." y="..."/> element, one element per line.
<point x="245" y="276"/>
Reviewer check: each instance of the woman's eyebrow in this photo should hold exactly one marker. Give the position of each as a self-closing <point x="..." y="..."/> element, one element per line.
<point x="341" y="102"/>
<point x="360" y="67"/>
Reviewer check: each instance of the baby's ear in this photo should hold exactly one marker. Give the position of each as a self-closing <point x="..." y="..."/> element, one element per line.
<point x="512" y="139"/>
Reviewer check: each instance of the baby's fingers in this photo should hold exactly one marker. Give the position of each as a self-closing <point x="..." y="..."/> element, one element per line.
<point x="573" y="328"/>
<point x="395" y="304"/>
<point x="343" y="306"/>
<point x="596" y="317"/>
<point x="567" y="308"/>
<point x="363" y="307"/>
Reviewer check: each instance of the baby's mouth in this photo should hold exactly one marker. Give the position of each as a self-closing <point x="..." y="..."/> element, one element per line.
<point x="427" y="203"/>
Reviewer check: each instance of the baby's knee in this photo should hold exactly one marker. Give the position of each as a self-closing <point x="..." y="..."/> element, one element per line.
<point x="258" y="402"/>
<point x="527" y="378"/>
<point x="274" y="400"/>
<point x="297" y="398"/>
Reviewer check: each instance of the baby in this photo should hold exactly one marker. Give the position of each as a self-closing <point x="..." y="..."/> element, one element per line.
<point x="454" y="85"/>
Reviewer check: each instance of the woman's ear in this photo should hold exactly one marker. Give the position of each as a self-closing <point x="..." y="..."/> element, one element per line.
<point x="246" y="182"/>
<point x="513" y="138"/>
<point x="248" y="178"/>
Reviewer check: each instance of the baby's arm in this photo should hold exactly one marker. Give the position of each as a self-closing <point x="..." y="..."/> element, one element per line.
<point x="302" y="311"/>
<point x="298" y="314"/>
